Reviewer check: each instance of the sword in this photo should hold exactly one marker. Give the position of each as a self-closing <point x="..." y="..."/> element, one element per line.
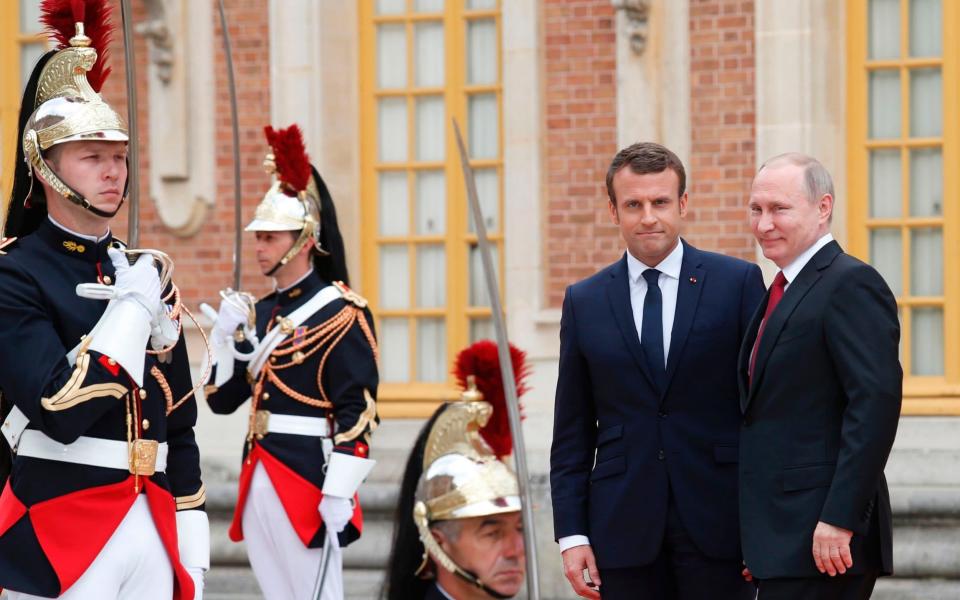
<point x="324" y="563"/>
<point x="133" y="149"/>
<point x="237" y="196"/>
<point x="506" y="370"/>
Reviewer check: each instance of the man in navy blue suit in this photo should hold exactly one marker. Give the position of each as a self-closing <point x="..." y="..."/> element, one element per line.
<point x="645" y="445"/>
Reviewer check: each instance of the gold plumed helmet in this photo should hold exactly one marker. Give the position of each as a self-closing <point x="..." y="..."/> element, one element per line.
<point x="68" y="106"/>
<point x="293" y="201"/>
<point x="465" y="469"/>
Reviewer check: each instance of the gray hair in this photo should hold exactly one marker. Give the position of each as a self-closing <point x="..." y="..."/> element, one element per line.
<point x="451" y="528"/>
<point x="816" y="179"/>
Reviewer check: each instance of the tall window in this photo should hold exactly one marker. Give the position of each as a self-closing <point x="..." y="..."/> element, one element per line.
<point x="904" y="217"/>
<point x="21" y="45"/>
<point x="423" y="63"/>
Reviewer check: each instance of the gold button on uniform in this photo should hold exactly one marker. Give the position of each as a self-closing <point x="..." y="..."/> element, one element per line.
<point x="111" y="362"/>
<point x="145" y="424"/>
<point x="107" y="280"/>
<point x="143" y="394"/>
<point x="265" y="396"/>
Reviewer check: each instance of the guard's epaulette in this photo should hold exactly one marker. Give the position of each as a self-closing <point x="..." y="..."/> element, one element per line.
<point x="6" y="243"/>
<point x="350" y="296"/>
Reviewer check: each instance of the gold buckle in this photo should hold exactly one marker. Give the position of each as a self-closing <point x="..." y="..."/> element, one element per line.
<point x="261" y="423"/>
<point x="143" y="457"/>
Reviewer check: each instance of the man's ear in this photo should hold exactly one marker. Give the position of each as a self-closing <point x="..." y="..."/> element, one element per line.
<point x="825" y="207"/>
<point x="683" y="205"/>
<point x="614" y="215"/>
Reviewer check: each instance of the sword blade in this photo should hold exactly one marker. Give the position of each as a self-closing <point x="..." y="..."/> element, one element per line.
<point x="237" y="194"/>
<point x="506" y="370"/>
<point x="133" y="147"/>
<point x="324" y="563"/>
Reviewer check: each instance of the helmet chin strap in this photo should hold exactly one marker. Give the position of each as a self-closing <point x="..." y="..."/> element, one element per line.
<point x="298" y="245"/>
<point x="61" y="187"/>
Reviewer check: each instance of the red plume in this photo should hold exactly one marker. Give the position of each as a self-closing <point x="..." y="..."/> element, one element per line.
<point x="482" y="361"/>
<point x="290" y="156"/>
<point x="60" y="17"/>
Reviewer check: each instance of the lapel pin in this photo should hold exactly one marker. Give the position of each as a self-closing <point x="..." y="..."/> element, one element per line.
<point x="693" y="280"/>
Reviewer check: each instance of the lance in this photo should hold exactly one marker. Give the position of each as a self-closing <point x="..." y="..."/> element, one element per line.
<point x="237" y="198"/>
<point x="506" y="370"/>
<point x="133" y="147"/>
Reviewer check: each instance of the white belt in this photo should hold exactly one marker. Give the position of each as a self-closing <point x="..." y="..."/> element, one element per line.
<point x="91" y="451"/>
<point x="267" y="422"/>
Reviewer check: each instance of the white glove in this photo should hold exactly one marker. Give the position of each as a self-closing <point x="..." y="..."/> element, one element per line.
<point x="336" y="512"/>
<point x="232" y="314"/>
<point x="140" y="282"/>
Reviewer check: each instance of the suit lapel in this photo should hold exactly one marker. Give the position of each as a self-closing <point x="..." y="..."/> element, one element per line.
<point x="743" y="362"/>
<point x="799" y="287"/>
<point x="618" y="293"/>
<point x="692" y="277"/>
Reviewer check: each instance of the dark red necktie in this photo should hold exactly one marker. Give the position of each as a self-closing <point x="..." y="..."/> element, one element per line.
<point x="776" y="293"/>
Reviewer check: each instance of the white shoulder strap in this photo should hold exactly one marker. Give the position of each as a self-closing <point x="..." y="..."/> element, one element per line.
<point x="286" y="327"/>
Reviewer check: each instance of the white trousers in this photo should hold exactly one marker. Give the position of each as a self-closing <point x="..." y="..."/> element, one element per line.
<point x="132" y="564"/>
<point x="283" y="566"/>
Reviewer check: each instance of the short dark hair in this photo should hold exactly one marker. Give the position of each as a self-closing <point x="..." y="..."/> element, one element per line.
<point x="646" y="157"/>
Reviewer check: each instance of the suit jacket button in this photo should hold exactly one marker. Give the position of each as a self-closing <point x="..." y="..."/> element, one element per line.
<point x="660" y="455"/>
<point x="662" y="415"/>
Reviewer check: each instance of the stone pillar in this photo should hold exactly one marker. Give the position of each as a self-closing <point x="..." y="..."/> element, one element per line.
<point x="313" y="82"/>
<point x="800" y="90"/>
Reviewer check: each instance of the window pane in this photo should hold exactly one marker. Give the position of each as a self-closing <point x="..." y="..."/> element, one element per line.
<point x="926" y="29"/>
<point x="926" y="102"/>
<point x="885" y="253"/>
<point x="484" y="126"/>
<point x="431" y="203"/>
<point x="393" y="203"/>
<point x="393" y="129"/>
<point x="394" y="340"/>
<point x="482" y="51"/>
<point x="431" y="276"/>
<point x="481" y="329"/>
<point x="428" y="5"/>
<point x="481" y="4"/>
<point x="394" y="277"/>
<point x="926" y="182"/>
<point x="29" y="55"/>
<point x="30" y="16"/>
<point x="926" y="261"/>
<point x="428" y="47"/>
<point x="391" y="7"/>
<point x="488" y="190"/>
<point x="885" y="189"/>
<point x="431" y="350"/>
<point x="884" y="29"/>
<point x="885" y="104"/>
<point x="926" y="348"/>
<point x="430" y="128"/>
<point x="391" y="56"/>
<point x="478" y="281"/>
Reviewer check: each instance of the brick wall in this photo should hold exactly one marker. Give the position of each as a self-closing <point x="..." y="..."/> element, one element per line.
<point x="204" y="261"/>
<point x="722" y="109"/>
<point x="581" y="138"/>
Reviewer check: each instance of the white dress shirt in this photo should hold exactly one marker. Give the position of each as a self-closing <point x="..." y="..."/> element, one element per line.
<point x="791" y="271"/>
<point x="669" y="282"/>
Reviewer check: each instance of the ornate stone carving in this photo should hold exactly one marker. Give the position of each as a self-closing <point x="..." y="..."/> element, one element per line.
<point x="157" y="32"/>
<point x="637" y="13"/>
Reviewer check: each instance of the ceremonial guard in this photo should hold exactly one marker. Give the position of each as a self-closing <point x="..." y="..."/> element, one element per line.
<point x="102" y="496"/>
<point x="459" y="532"/>
<point x="306" y="357"/>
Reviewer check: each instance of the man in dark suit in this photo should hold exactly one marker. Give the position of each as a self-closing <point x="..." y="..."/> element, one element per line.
<point x="643" y="464"/>
<point x="820" y="385"/>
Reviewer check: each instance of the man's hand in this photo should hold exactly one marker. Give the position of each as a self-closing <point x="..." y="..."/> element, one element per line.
<point x="575" y="561"/>
<point x="831" y="549"/>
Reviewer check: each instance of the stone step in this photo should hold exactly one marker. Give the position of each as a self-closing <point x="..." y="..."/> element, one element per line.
<point x="931" y="433"/>
<point x="238" y="583"/>
<point x="895" y="588"/>
<point x="924" y="467"/>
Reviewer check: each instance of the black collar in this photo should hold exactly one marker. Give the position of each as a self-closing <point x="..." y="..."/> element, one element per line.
<point x="301" y="291"/>
<point x="63" y="242"/>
